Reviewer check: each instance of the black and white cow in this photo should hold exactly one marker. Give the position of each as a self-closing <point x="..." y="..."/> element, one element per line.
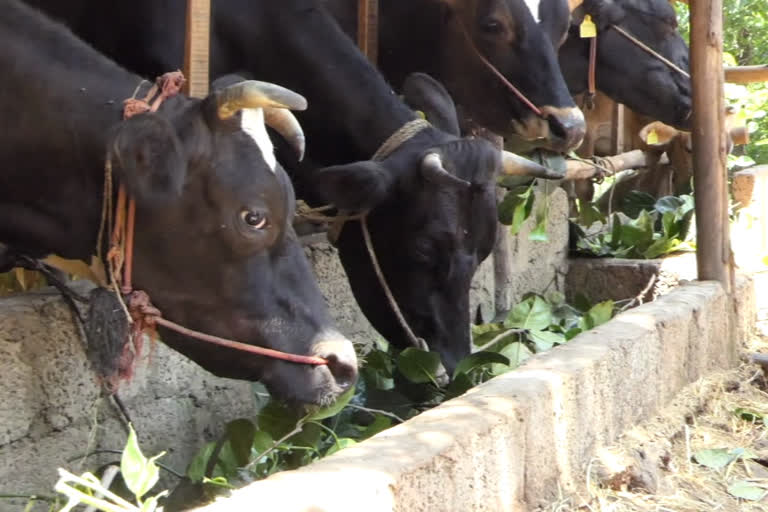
<point x="214" y="243"/>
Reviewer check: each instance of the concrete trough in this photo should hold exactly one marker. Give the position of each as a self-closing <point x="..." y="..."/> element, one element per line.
<point x="517" y="441"/>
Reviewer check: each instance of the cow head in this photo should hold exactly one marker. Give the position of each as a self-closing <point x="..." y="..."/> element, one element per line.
<point x="624" y="71"/>
<point x="432" y="221"/>
<point x="505" y="33"/>
<point x="215" y="247"/>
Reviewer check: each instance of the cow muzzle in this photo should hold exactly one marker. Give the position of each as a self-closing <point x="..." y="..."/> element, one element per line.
<point x="341" y="357"/>
<point x="566" y="127"/>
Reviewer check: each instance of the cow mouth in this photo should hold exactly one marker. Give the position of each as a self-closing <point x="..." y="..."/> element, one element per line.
<point x="559" y="129"/>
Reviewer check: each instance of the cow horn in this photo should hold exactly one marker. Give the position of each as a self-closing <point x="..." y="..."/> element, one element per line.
<point x="432" y="169"/>
<point x="514" y="165"/>
<point x="254" y="94"/>
<point x="286" y="124"/>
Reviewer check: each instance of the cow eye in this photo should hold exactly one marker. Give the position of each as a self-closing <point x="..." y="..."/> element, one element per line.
<point x="254" y="219"/>
<point x="491" y="26"/>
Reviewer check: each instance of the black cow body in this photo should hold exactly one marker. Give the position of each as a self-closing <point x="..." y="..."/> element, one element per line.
<point x="214" y="243"/>
<point x="430" y="230"/>
<point x="625" y="72"/>
<point x="443" y="38"/>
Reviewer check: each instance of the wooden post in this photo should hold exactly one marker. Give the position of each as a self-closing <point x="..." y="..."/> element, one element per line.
<point x="713" y="253"/>
<point x="368" y="28"/>
<point x="197" y="48"/>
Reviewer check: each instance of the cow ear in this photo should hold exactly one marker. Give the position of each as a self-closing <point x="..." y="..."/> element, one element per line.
<point x="424" y="93"/>
<point x="657" y="135"/>
<point x="147" y="158"/>
<point x="604" y="13"/>
<point x="357" y="186"/>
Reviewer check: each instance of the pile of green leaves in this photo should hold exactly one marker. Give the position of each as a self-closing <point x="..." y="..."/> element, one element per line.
<point x="650" y="228"/>
<point x="393" y="387"/>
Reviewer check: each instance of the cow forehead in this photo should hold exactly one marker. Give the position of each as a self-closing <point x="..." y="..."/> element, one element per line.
<point x="252" y="123"/>
<point x="533" y="6"/>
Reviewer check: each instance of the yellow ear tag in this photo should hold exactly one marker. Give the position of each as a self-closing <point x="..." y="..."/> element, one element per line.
<point x="653" y="138"/>
<point x="587" y="27"/>
<point x="421" y="114"/>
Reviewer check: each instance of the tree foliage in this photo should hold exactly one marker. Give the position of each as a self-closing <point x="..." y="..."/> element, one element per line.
<point x="745" y="43"/>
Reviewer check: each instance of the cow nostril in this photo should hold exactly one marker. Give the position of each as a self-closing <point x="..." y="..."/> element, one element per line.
<point x="344" y="372"/>
<point x="556" y="127"/>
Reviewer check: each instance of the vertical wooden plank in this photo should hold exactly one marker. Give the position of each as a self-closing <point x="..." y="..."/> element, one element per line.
<point x="368" y="28"/>
<point x="197" y="48"/>
<point x="709" y="157"/>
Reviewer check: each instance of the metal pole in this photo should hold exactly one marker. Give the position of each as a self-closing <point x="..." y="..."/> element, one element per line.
<point x="713" y="253"/>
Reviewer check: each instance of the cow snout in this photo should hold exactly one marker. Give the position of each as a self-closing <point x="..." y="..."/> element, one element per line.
<point x="342" y="360"/>
<point x="567" y="127"/>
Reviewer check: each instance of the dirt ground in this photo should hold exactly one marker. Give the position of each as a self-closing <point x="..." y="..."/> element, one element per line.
<point x="711" y="442"/>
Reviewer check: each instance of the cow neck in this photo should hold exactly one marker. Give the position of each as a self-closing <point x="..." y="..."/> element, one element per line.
<point x="141" y="314"/>
<point x="349" y="100"/>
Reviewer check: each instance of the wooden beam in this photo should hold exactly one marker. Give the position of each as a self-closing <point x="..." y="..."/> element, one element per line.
<point x="368" y="28"/>
<point x="635" y="159"/>
<point x="746" y="74"/>
<point x="197" y="48"/>
<point x="713" y="254"/>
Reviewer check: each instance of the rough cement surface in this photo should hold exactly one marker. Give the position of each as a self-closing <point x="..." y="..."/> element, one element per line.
<point x="50" y="405"/>
<point x="619" y="279"/>
<point x="524" y="265"/>
<point x="511" y="443"/>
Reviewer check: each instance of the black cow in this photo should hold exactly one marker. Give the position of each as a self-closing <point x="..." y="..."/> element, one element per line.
<point x="444" y="39"/>
<point x="625" y="72"/>
<point x="214" y="243"/>
<point x="431" y="224"/>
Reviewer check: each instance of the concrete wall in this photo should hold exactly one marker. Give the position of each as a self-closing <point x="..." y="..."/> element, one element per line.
<point x="511" y="444"/>
<point x="50" y="410"/>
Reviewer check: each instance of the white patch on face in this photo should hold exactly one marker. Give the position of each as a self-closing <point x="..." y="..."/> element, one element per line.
<point x="252" y="123"/>
<point x="533" y="6"/>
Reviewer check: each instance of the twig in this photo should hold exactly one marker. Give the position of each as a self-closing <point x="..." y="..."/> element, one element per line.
<point x="161" y="465"/>
<point x="499" y="338"/>
<point x="39" y="497"/>
<point x="106" y="480"/>
<point x="299" y="428"/>
<point x="377" y="411"/>
<point x="639" y="297"/>
<point x="688" y="447"/>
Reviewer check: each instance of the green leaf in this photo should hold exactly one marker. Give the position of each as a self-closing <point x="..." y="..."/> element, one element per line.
<point x="669" y="204"/>
<point x="460" y="385"/>
<point x="478" y="359"/>
<point x="516" y="352"/>
<point x="196" y="468"/>
<point x="335" y="408"/>
<point x="545" y="340"/>
<point x="140" y="474"/>
<point x="555" y="298"/>
<point x="589" y="213"/>
<point x="277" y="419"/>
<point x="539" y="233"/>
<point x="150" y="505"/>
<point x="340" y="444"/>
<point x="241" y="433"/>
<point x="661" y="247"/>
<point x="572" y="333"/>
<point x="417" y="365"/>
<point x="262" y="441"/>
<point x="600" y="313"/>
<point x="715" y="458"/>
<point x="635" y="202"/>
<point x="484" y="333"/>
<point x="533" y="314"/>
<point x="514" y="205"/>
<point x="747" y="490"/>
<point x="380" y="423"/>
